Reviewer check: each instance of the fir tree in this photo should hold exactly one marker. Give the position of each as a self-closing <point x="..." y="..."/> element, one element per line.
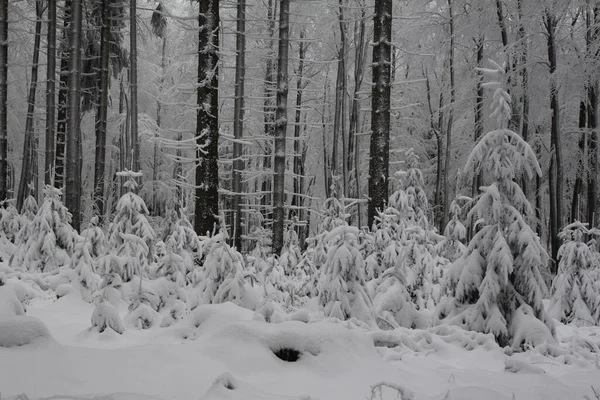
<point x="499" y="276"/>
<point x="576" y="290"/>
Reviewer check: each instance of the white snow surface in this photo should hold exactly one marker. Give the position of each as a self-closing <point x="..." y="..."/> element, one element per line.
<point x="219" y="352"/>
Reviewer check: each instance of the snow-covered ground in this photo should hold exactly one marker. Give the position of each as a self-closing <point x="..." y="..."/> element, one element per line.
<point x="223" y="352"/>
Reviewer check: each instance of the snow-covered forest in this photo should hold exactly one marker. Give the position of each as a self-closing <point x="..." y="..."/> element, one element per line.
<point x="293" y="199"/>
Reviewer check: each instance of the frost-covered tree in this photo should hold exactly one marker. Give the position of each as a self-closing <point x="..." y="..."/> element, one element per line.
<point x="130" y="235"/>
<point x="46" y="243"/>
<point x="182" y="246"/>
<point x="452" y="247"/>
<point x="576" y="288"/>
<point x="222" y="276"/>
<point x="411" y="183"/>
<point x="342" y="287"/>
<point x="291" y="253"/>
<point x="96" y="237"/>
<point x="499" y="287"/>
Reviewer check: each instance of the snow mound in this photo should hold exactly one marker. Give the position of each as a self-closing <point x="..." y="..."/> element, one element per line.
<point x="19" y="330"/>
<point x="473" y="393"/>
<point x="9" y="302"/>
<point x="521" y="367"/>
<point x="226" y="387"/>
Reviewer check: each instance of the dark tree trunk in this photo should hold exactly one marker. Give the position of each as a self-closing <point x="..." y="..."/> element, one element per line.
<point x="299" y="146"/>
<point x="556" y="185"/>
<point x="28" y="144"/>
<point x="281" y="127"/>
<point x="73" y="167"/>
<point x="101" y="113"/>
<point x="593" y="32"/>
<point x="450" y="119"/>
<point x="63" y="100"/>
<point x="238" y="122"/>
<point x="578" y="187"/>
<point x="50" y="95"/>
<point x="133" y="86"/>
<point x="3" y="100"/>
<point x="207" y="120"/>
<point x="380" y="109"/>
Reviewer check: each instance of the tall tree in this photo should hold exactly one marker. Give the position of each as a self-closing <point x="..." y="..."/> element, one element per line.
<point x="551" y="20"/>
<point x="299" y="144"/>
<point x="27" y="171"/>
<point x="238" y="121"/>
<point x="102" y="111"/>
<point x="207" y="119"/>
<point x="3" y="99"/>
<point x="592" y="36"/>
<point x="380" y="109"/>
<point x="281" y="126"/>
<point x="63" y="99"/>
<point x="73" y="166"/>
<point x="50" y="94"/>
<point x="450" y="115"/>
<point x="133" y="86"/>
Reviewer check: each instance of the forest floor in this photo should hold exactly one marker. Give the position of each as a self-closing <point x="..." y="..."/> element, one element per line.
<point x="221" y="352"/>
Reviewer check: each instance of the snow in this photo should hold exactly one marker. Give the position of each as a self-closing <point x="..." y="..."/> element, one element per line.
<point x="222" y="343"/>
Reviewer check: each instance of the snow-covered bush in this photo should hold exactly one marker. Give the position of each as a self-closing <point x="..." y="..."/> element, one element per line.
<point x="182" y="246"/>
<point x="83" y="265"/>
<point x="222" y="277"/>
<point x="96" y="237"/>
<point x="452" y="247"/>
<point x="576" y="287"/>
<point x="46" y="242"/>
<point x="342" y="288"/>
<point x="130" y="235"/>
<point x="500" y="273"/>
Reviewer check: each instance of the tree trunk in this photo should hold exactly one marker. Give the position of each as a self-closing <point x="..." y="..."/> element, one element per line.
<point x="238" y="122"/>
<point x="296" y="198"/>
<point x="450" y="119"/>
<point x="380" y="109"/>
<point x="207" y="120"/>
<point x="359" y="72"/>
<point x="133" y="86"/>
<point x="3" y="100"/>
<point x="50" y="95"/>
<point x="578" y="187"/>
<point x="63" y="99"/>
<point x="551" y="23"/>
<point x="524" y="123"/>
<point x="101" y="113"/>
<point x="269" y="111"/>
<point x="593" y="32"/>
<point x="26" y="169"/>
<point x="477" y="179"/>
<point x="281" y="127"/>
<point x="439" y="176"/>
<point x="73" y="172"/>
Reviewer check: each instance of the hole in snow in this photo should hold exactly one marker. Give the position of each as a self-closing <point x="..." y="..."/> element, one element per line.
<point x="287" y="354"/>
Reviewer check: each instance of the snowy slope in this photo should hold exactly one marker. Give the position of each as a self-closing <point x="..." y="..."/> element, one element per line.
<point x="189" y="360"/>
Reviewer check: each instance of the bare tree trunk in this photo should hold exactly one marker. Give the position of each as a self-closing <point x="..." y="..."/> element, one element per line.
<point x="155" y="168"/>
<point x="524" y="123"/>
<point x="101" y="113"/>
<point x="28" y="143"/>
<point x="269" y="109"/>
<point x="73" y="175"/>
<point x="593" y="33"/>
<point x="556" y="190"/>
<point x="3" y="100"/>
<point x="439" y="138"/>
<point x="380" y="109"/>
<point x="50" y="95"/>
<point x="298" y="147"/>
<point x="281" y="127"/>
<point x="326" y="162"/>
<point x="478" y="179"/>
<point x="133" y="83"/>
<point x="359" y="72"/>
<point x="238" y="122"/>
<point x="450" y="119"/>
<point x="63" y="99"/>
<point x="578" y="187"/>
<point x="207" y="121"/>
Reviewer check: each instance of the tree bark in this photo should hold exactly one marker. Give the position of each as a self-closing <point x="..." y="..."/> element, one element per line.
<point x="28" y="144"/>
<point x="73" y="172"/>
<point x="269" y="111"/>
<point x="380" y="109"/>
<point x="281" y="127"/>
<point x="207" y="120"/>
<point x="63" y="99"/>
<point x="101" y="113"/>
<point x="556" y="188"/>
<point x="238" y="122"/>
<point x="593" y="33"/>
<point x="3" y="100"/>
<point x="578" y="187"/>
<point x="50" y="95"/>
<point x="299" y="146"/>
<point x="450" y="119"/>
<point x="133" y="86"/>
